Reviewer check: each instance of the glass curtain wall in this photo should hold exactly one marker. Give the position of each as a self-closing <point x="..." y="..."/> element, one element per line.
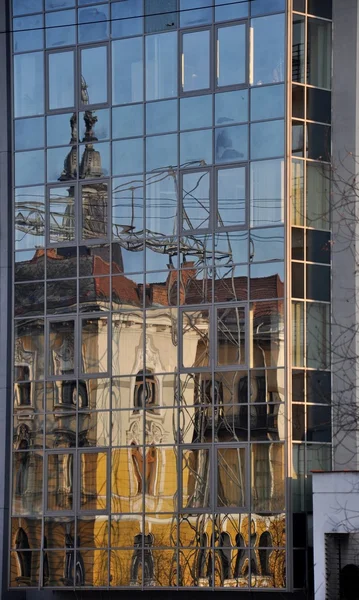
<point x="149" y="414"/>
<point x="311" y="272"/>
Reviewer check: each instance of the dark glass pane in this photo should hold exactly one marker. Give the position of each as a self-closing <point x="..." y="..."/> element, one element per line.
<point x="299" y="5"/>
<point x="29" y="299"/>
<point x="298" y="49"/>
<point x="299" y="530"/>
<point x="61" y="263"/>
<point x="319" y="424"/>
<point x="318" y="105"/>
<point x="299" y="569"/>
<point x="297" y="280"/>
<point x="318" y="335"/>
<point x="95" y="21"/>
<point x="29" y="266"/>
<point x="298" y="101"/>
<point x="320" y="8"/>
<point x="298" y="427"/>
<point x="318" y="283"/>
<point x="29" y="133"/>
<point x="297" y="138"/>
<point x="298" y="391"/>
<point x="319" y="387"/>
<point x="122" y="24"/>
<point x="318" y="246"/>
<point x="261" y="7"/>
<point x="298" y="244"/>
<point x="161" y="15"/>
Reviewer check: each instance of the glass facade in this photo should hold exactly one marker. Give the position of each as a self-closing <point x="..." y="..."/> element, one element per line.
<point x="151" y="409"/>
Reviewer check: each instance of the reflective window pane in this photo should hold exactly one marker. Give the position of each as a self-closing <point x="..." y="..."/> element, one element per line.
<point x="61" y="80"/>
<point x="318" y="283"/>
<point x="29" y="217"/>
<point x="318" y="190"/>
<point x="260" y="7"/>
<point x="61" y="359"/>
<point x="60" y="477"/>
<point x="319" y="53"/>
<point x="93" y="481"/>
<point x="196" y="112"/>
<point x="58" y="129"/>
<point x="268" y="477"/>
<point x="161" y="66"/>
<point x="231" y="197"/>
<point x="94" y="160"/>
<point x="268" y="50"/>
<point x="161" y="206"/>
<point x="29" y="167"/>
<point x="28" y="84"/>
<point x="318" y="335"/>
<point x="161" y="117"/>
<point x="28" y="34"/>
<point x="195" y="478"/>
<point x="94" y="75"/>
<point x="127" y="157"/>
<point x="231" y="107"/>
<point x="298" y="49"/>
<point x="59" y="169"/>
<point x="62" y="214"/>
<point x="29" y="133"/>
<point x="267" y="244"/>
<point x="53" y="4"/>
<point x="267" y="102"/>
<point x="318" y="141"/>
<point x="319" y="105"/>
<point x="200" y="15"/>
<point x="122" y="23"/>
<point x="231" y="55"/>
<point x="161" y="152"/>
<point x="267" y="139"/>
<point x="22" y="7"/>
<point x="27" y="471"/>
<point x="196" y="148"/>
<point x="195" y="200"/>
<point x="231" y="144"/>
<point x="94" y="126"/>
<point x="127" y="209"/>
<point x="231" y="333"/>
<point x="195" y="332"/>
<point x="127" y="121"/>
<point x="227" y="10"/>
<point x="127" y="66"/>
<point x="94" y="201"/>
<point x="94" y="342"/>
<point x="195" y="61"/>
<point x="267" y="192"/>
<point x="320" y="8"/>
<point x="95" y="21"/>
<point x="160" y="15"/>
<point x="60" y="28"/>
<point x="231" y="477"/>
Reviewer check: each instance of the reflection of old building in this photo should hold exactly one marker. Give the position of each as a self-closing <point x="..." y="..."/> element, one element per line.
<point x="152" y="345"/>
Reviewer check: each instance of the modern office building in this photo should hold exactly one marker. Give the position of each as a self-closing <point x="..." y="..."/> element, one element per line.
<point x="166" y="257"/>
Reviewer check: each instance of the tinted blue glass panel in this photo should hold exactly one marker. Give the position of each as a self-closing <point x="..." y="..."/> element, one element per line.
<point x="231" y="55"/>
<point x="196" y="112"/>
<point x="231" y="144"/>
<point x="53" y="4"/>
<point x="127" y="71"/>
<point x="127" y="121"/>
<point x="195" y="61"/>
<point x="94" y="75"/>
<point x="127" y="157"/>
<point x="29" y="84"/>
<point x="61" y="80"/>
<point x="268" y="50"/>
<point x="267" y="102"/>
<point x="32" y="39"/>
<point x="161" y="66"/>
<point x="194" y="18"/>
<point x="161" y="117"/>
<point x="122" y="24"/>
<point x="95" y="21"/>
<point x="55" y="164"/>
<point x="94" y="160"/>
<point x="232" y="9"/>
<point x="23" y="7"/>
<point x="29" y="133"/>
<point x="60" y="30"/>
<point x="267" y="139"/>
<point x="59" y="130"/>
<point x="196" y="148"/>
<point x="100" y="129"/>
<point x="29" y="167"/>
<point x="161" y="152"/>
<point x="263" y="7"/>
<point x="231" y="107"/>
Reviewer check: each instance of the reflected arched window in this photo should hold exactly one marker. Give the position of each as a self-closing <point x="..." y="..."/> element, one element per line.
<point x="74" y="568"/>
<point x="225" y="552"/>
<point x="145" y="468"/>
<point x="240" y="556"/>
<point x="23" y="555"/>
<point x="22" y="472"/>
<point x="202" y="557"/>
<point x="45" y="566"/>
<point x="22" y="375"/>
<point x="145" y="395"/>
<point x="146" y="563"/>
<point x="265" y="548"/>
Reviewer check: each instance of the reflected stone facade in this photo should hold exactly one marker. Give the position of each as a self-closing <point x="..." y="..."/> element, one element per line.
<point x="152" y="317"/>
